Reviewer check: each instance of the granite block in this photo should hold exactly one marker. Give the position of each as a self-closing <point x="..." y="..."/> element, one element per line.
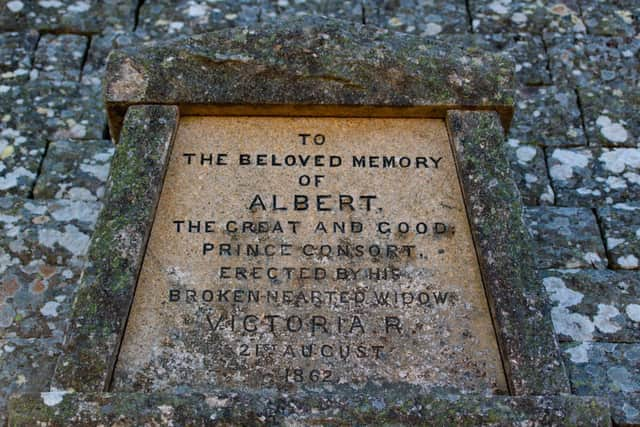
<point x="530" y="172"/>
<point x="74" y="170"/>
<point x="602" y="368"/>
<point x="426" y="18"/>
<point x="594" y="305"/>
<point x="166" y="18"/>
<point x="611" y="17"/>
<point x="27" y="366"/>
<point x="584" y="61"/>
<point x="67" y="16"/>
<point x="591" y="176"/>
<point x="60" y="57"/>
<point x="625" y="408"/>
<point x="621" y="228"/>
<point x="16" y="55"/>
<point x="547" y="116"/>
<point x="497" y="16"/>
<point x="348" y="10"/>
<point x="566" y="238"/>
<point x="610" y="115"/>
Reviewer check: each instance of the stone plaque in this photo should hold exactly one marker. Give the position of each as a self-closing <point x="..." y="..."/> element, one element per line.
<point x="309" y="251"/>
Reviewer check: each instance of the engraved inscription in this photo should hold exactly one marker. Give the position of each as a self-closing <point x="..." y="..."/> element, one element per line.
<point x="309" y="251"/>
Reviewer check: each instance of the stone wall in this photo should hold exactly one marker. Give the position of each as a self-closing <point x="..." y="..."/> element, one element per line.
<point x="574" y="147"/>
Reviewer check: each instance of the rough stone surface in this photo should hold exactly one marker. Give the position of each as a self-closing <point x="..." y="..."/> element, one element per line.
<point x="371" y="405"/>
<point x="73" y="16"/>
<point x="27" y="366"/>
<point x="427" y="18"/>
<point x="41" y="252"/>
<point x="594" y="305"/>
<point x="530" y="352"/>
<point x="611" y="18"/>
<point x="167" y="18"/>
<point x="529" y="169"/>
<point x="42" y="111"/>
<point x="16" y="55"/>
<point x="496" y="16"/>
<point x="621" y="227"/>
<point x="547" y="116"/>
<point x="607" y="369"/>
<point x="348" y="10"/>
<point x="103" y="300"/>
<point x="566" y="238"/>
<point x="602" y="368"/>
<point x="625" y="408"/>
<point x="74" y="170"/>
<point x="587" y="60"/>
<point x="610" y="117"/>
<point x="527" y="51"/>
<point x="60" y="57"/>
<point x="592" y="176"/>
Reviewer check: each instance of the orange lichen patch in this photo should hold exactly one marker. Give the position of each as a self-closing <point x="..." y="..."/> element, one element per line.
<point x="560" y="9"/>
<point x="38" y="286"/>
<point x="42" y="219"/>
<point x="9" y="289"/>
<point x="47" y="270"/>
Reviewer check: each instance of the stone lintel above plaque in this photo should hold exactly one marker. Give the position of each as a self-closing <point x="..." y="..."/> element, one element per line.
<point x="308" y="67"/>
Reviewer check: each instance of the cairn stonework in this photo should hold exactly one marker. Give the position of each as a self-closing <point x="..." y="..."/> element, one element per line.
<point x="309" y="223"/>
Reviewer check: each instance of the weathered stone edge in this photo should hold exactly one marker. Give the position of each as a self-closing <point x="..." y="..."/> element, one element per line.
<point x="519" y="307"/>
<point x="308" y="62"/>
<point x="371" y="405"/>
<point x="102" y="304"/>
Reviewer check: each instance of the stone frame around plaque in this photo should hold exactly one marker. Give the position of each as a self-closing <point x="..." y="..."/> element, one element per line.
<point x="312" y="67"/>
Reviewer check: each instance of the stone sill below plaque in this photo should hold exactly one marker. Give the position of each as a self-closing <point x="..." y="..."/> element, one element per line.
<point x="370" y="405"/>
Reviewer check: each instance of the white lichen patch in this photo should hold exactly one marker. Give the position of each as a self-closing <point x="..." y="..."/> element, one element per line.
<point x="431" y="29"/>
<point x="519" y="18"/>
<point x="574" y="325"/>
<point x="499" y="7"/>
<point x="525" y="154"/>
<point x="569" y="160"/>
<point x="623" y="379"/>
<point x="53" y="398"/>
<point x="50" y="309"/>
<point x="72" y="239"/>
<point x="79" y="7"/>
<point x="617" y="160"/>
<point x="592" y="258"/>
<point x="603" y="319"/>
<point x="216" y="402"/>
<point x="76" y="210"/>
<point x="11" y="179"/>
<point x="612" y="131"/>
<point x="612" y="242"/>
<point x="196" y="11"/>
<point x="548" y="196"/>
<point x="99" y="171"/>
<point x="579" y="353"/>
<point x="50" y="4"/>
<point x="625" y="207"/>
<point x="633" y="311"/>
<point x="15" y="6"/>
<point x="629" y="261"/>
